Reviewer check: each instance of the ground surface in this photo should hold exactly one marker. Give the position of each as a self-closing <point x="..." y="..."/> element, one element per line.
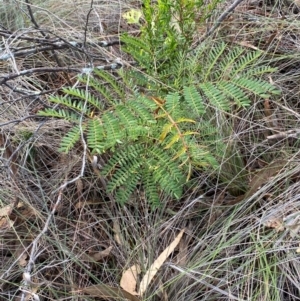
<point x="63" y="238"/>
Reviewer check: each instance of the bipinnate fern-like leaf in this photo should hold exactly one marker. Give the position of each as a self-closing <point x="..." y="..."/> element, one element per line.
<point x="95" y="136"/>
<point x="173" y="105"/>
<point x="123" y="194"/>
<point x="223" y="75"/>
<point x="258" y="70"/>
<point x="157" y="141"/>
<point x="94" y="83"/>
<point x="109" y="79"/>
<point x="215" y="96"/>
<point x="152" y="166"/>
<point x="74" y="105"/>
<point x="235" y="93"/>
<point x="70" y="139"/>
<point x="124" y="171"/>
<point x="166" y="173"/>
<point x="245" y="61"/>
<point x="225" y="64"/>
<point x="213" y="59"/>
<point x="123" y="174"/>
<point x="194" y="100"/>
<point x="85" y="96"/>
<point x="143" y="108"/>
<point x="151" y="188"/>
<point x="140" y="49"/>
<point x="59" y="113"/>
<point x="256" y="86"/>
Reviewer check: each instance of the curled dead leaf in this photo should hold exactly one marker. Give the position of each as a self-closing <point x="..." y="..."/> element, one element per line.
<point x="97" y="256"/>
<point x="6" y="210"/>
<point x="82" y="204"/>
<point x="6" y="223"/>
<point x="117" y="231"/>
<point x="275" y="223"/>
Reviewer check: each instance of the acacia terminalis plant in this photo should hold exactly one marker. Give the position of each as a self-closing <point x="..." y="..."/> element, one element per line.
<point x="155" y="139"/>
<point x="156" y="142"/>
<point x="151" y="140"/>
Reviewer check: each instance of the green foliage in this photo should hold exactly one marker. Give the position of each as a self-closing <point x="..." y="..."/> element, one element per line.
<point x="70" y="139"/>
<point x="163" y="53"/>
<point x="167" y="35"/>
<point x="223" y="76"/>
<point x="152" y="141"/>
<point x="157" y="139"/>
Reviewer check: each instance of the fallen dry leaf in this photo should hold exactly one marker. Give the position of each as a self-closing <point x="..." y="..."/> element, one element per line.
<point x="245" y="44"/>
<point x="97" y="256"/>
<point x="23" y="259"/>
<point x="261" y="177"/>
<point x="31" y="295"/>
<point x="298" y="249"/>
<point x="275" y="223"/>
<point x="100" y="255"/>
<point x="158" y="263"/>
<point x="6" y="223"/>
<point x="29" y="212"/>
<point x="6" y="210"/>
<point x="108" y="292"/>
<point x="129" y="278"/>
<point x="290" y="223"/>
<point x="81" y="204"/>
<point x="116" y="229"/>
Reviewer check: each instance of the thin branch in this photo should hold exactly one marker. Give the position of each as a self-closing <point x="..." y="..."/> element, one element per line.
<point x="87" y="22"/>
<point x="21" y="91"/>
<point x="20" y="120"/>
<point x="30" y="51"/>
<point x="56" y="58"/>
<point x="4" y="79"/>
<point x="219" y="21"/>
<point x="32" y="19"/>
<point x="223" y="17"/>
<point x="10" y="35"/>
<point x="31" y="94"/>
<point x="294" y="133"/>
<point x="34" y="247"/>
<point x="57" y="45"/>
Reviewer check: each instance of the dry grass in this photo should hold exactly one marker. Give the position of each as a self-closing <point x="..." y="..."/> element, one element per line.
<point x="244" y="251"/>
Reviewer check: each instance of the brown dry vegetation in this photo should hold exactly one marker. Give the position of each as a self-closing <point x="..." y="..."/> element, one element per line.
<point x="61" y="234"/>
